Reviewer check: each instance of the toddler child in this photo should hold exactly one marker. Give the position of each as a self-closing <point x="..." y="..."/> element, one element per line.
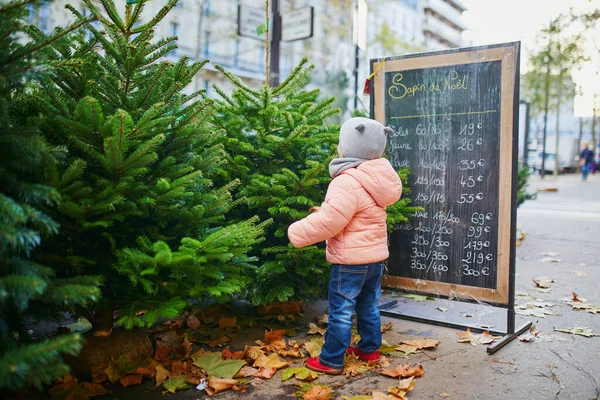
<point x="352" y="220"/>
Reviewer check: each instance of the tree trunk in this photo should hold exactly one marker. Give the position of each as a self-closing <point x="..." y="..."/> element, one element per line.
<point x="133" y="346"/>
<point x="102" y="320"/>
<point x="558" y="102"/>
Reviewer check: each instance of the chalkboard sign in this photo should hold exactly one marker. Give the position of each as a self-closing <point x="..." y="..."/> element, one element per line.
<point x="453" y="114"/>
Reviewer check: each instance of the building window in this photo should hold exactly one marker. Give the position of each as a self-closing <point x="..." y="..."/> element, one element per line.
<point x="174" y="29"/>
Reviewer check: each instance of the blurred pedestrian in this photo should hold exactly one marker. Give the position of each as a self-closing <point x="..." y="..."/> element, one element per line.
<point x="586" y="161"/>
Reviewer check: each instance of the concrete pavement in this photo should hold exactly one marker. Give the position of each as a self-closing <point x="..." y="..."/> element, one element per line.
<point x="555" y="366"/>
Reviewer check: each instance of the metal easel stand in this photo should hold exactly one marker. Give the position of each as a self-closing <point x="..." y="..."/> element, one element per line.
<point x="507" y="336"/>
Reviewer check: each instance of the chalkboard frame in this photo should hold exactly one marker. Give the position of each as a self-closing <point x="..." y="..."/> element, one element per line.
<point x="508" y="54"/>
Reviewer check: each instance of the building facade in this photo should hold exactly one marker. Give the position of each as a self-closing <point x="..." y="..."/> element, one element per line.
<point x="207" y="29"/>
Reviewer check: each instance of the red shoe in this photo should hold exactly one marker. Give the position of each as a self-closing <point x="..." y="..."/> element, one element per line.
<point x="367" y="357"/>
<point x="314" y="364"/>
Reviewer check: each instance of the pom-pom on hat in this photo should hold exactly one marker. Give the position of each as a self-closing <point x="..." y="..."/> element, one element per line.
<point x="363" y="138"/>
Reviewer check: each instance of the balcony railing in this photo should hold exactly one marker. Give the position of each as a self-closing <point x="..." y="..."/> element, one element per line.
<point x="446" y="11"/>
<point x="442" y="31"/>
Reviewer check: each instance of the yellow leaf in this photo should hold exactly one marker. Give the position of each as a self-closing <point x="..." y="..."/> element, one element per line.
<point x="314" y="346"/>
<point x="161" y="374"/>
<point x="272" y="361"/>
<point x="354" y="366"/>
<point x="444" y="394"/>
<point x="406" y="349"/>
<point x="398" y="393"/>
<point x="314" y="329"/>
<point x="422" y="343"/>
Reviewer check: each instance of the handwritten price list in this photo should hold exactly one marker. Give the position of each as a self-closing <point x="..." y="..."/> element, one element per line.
<point x="446" y="125"/>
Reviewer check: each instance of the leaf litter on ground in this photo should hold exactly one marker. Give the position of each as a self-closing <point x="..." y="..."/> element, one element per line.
<point x="587" y="332"/>
<point x="475" y="339"/>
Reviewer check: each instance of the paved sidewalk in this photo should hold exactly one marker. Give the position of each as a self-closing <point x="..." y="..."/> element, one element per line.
<point x="559" y="365"/>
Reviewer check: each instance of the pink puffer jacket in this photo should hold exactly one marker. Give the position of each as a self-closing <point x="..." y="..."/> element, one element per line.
<point x="352" y="218"/>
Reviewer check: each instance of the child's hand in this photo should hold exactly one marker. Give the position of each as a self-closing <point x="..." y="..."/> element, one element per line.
<point x="314" y="209"/>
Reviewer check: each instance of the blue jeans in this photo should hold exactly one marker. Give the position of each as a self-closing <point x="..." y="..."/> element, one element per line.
<point x="585" y="170"/>
<point x="352" y="288"/>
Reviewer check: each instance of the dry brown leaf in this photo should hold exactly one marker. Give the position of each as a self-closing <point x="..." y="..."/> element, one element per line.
<point x="219" y="341"/>
<point x="543" y="282"/>
<point x="179" y="367"/>
<point x="161" y="374"/>
<point x="94" y="389"/>
<point x="322" y="319"/>
<point x="272" y="361"/>
<point x="147" y="372"/>
<point x="290" y="307"/>
<point x="193" y="380"/>
<point x="354" y="367"/>
<point x="276" y="345"/>
<point x="227" y="322"/>
<point x="293" y="351"/>
<point x="444" y="394"/>
<point x="383" y="362"/>
<point x="487" y="338"/>
<point x="274" y="335"/>
<point x="227" y="354"/>
<point x="217" y="385"/>
<point x="467" y="337"/>
<point x="577" y="299"/>
<point x="193" y="322"/>
<point x="318" y="392"/>
<point x="130" y="380"/>
<point x="254" y="352"/>
<point x="265" y="373"/>
<point x="387" y="327"/>
<point x="422" y="343"/>
<point x="404" y="371"/>
<point x="314" y="329"/>
<point x="246" y="372"/>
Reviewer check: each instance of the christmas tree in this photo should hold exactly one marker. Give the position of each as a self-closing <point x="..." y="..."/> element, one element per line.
<point x="28" y="288"/>
<point x="139" y="205"/>
<point x="280" y="147"/>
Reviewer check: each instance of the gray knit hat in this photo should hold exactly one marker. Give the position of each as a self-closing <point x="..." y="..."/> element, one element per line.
<point x="363" y="138"/>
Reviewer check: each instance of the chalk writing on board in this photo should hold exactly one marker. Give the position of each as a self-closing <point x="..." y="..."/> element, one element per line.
<point x="446" y="123"/>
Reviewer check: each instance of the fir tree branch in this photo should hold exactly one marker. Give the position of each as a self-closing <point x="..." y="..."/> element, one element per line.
<point x="159" y="74"/>
<point x="293" y="75"/>
<point x="30" y="49"/>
